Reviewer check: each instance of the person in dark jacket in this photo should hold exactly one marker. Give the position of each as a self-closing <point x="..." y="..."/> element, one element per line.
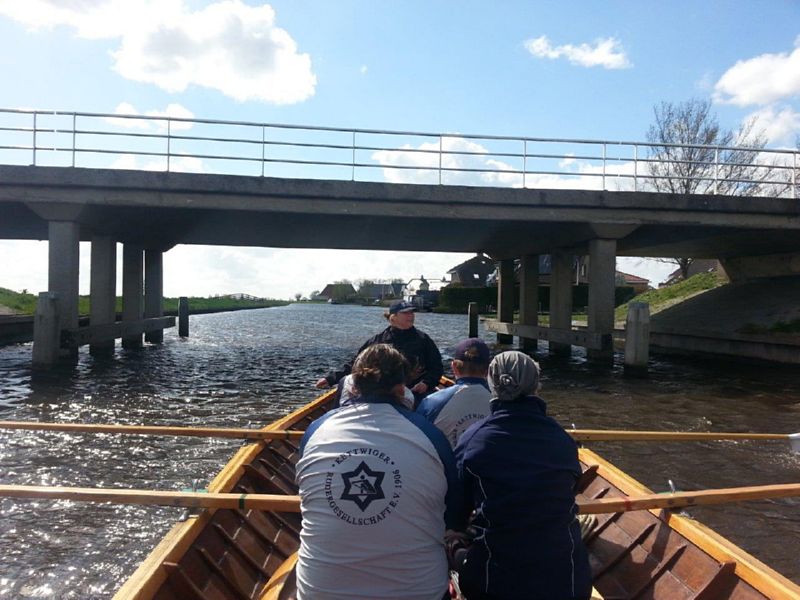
<point x="417" y="347"/>
<point x="519" y="470"/>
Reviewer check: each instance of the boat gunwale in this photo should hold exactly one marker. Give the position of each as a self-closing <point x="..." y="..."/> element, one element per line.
<point x="150" y="575"/>
<point x="749" y="569"/>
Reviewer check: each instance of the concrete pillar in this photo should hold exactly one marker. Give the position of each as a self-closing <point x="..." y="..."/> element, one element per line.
<point x="637" y="338"/>
<point x="62" y="271"/>
<point x="46" y="331"/>
<point x="154" y="291"/>
<point x="472" y="312"/>
<point x="529" y="297"/>
<point x="560" y="298"/>
<point x="602" y="282"/>
<point x="132" y="291"/>
<point x="505" y="297"/>
<point x="183" y="316"/>
<point x="103" y="290"/>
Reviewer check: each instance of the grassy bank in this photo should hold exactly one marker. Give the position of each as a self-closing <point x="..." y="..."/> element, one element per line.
<point x="671" y="295"/>
<point x="24" y="303"/>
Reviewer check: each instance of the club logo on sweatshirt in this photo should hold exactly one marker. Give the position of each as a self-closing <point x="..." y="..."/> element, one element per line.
<point x="363" y="486"/>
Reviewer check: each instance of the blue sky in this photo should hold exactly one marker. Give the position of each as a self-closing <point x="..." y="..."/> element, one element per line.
<point x="588" y="70"/>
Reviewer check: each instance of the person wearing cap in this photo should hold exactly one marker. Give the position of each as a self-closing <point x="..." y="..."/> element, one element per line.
<point x="416" y="346"/>
<point x="378" y="489"/>
<point x="455" y="408"/>
<point x="519" y="471"/>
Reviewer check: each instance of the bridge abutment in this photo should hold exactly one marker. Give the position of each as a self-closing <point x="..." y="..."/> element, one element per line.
<point x="560" y="299"/>
<point x="154" y="291"/>
<point x="132" y="292"/>
<point x="63" y="266"/>
<point x="505" y="297"/>
<point x="600" y="316"/>
<point x="529" y="297"/>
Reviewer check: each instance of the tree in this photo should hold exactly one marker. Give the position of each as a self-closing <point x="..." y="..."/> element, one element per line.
<point x="297" y="297"/>
<point x="691" y="154"/>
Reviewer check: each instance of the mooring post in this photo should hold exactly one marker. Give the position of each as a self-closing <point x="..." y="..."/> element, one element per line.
<point x="46" y="331"/>
<point x="637" y="338"/>
<point x="472" y="311"/>
<point x="183" y="316"/>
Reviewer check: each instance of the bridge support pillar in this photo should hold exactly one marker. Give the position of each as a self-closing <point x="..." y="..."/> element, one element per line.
<point x="62" y="273"/>
<point x="103" y="290"/>
<point x="132" y="291"/>
<point x="529" y="297"/>
<point x="602" y="271"/>
<point x="154" y="291"/>
<point x="505" y="297"/>
<point x="560" y="298"/>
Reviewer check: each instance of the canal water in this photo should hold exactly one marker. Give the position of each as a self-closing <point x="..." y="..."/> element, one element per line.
<point x="249" y="367"/>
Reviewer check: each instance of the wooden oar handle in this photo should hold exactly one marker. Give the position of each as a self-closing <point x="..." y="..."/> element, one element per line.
<point x="681" y="499"/>
<point x="221" y="432"/>
<point x="604" y="435"/>
<point x="275" y="502"/>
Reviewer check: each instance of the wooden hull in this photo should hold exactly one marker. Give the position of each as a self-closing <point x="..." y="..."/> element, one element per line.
<point x="249" y="555"/>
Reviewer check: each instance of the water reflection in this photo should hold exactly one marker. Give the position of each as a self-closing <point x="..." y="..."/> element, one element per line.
<point x="252" y="366"/>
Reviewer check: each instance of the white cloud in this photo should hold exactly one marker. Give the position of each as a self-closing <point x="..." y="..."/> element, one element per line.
<point x="177" y="164"/>
<point x="649" y="268"/>
<point x="363" y="70"/>
<point x="226" y="46"/>
<point x="761" y="80"/>
<point x="173" y="110"/>
<point x="606" y="52"/>
<point x="780" y="125"/>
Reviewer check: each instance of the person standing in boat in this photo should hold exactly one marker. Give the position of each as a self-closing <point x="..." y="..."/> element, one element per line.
<point x="377" y="487"/>
<point x="455" y="408"/>
<point x="417" y="347"/>
<point x="519" y="471"/>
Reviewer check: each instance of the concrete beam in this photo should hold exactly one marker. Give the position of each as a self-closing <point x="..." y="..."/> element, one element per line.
<point x="561" y="299"/>
<point x="103" y="290"/>
<point x="63" y="270"/>
<point x="602" y="282"/>
<point x="757" y="267"/>
<point x="154" y="291"/>
<point x="529" y="297"/>
<point x="567" y="337"/>
<point x="132" y="291"/>
<point x="505" y="297"/>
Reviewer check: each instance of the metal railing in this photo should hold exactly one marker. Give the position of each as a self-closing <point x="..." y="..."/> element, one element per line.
<point x="175" y="144"/>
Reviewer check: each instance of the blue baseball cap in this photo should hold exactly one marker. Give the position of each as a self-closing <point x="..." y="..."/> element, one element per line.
<point x="401" y="306"/>
<point x="472" y="350"/>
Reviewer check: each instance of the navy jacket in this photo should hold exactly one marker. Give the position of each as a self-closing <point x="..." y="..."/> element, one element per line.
<point x="518" y="469"/>
<point x="416" y="346"/>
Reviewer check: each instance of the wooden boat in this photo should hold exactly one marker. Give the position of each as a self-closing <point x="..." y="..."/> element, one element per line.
<point x="250" y="555"/>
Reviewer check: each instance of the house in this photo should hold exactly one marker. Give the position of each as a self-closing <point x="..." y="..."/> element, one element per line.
<point x="337" y="292"/>
<point x="639" y="284"/>
<point x="473" y="272"/>
<point x="380" y="291"/>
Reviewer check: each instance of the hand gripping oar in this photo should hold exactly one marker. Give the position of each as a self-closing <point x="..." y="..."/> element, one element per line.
<point x="606" y="435"/>
<point x="247" y="434"/>
<point x="680" y="499"/>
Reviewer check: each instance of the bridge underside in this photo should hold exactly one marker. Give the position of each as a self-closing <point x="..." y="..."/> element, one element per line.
<point x="164" y="209"/>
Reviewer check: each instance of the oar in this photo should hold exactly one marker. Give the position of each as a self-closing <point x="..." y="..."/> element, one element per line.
<point x="680" y="499"/>
<point x="274" y="502"/>
<point x="282" y="503"/>
<point x="247" y="434"/>
<point x="604" y="435"/>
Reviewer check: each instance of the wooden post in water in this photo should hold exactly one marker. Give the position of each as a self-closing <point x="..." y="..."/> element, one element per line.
<point x="637" y="338"/>
<point x="183" y="316"/>
<point x="46" y="331"/>
<point x="472" y="311"/>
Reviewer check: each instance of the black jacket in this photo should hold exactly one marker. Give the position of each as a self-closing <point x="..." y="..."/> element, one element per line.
<point x="416" y="346"/>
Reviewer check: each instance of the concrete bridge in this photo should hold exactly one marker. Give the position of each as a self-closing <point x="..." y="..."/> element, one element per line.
<point x="476" y="194"/>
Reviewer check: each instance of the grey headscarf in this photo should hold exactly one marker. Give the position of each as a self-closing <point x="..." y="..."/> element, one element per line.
<point x="513" y="375"/>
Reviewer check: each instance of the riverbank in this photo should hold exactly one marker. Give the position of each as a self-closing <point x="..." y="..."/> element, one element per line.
<point x="16" y="311"/>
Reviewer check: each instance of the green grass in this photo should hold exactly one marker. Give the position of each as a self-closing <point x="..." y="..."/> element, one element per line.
<point x="668" y="296"/>
<point x="25" y="303"/>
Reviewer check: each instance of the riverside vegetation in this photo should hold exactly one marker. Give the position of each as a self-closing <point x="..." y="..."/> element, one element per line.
<point x="24" y="303"/>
